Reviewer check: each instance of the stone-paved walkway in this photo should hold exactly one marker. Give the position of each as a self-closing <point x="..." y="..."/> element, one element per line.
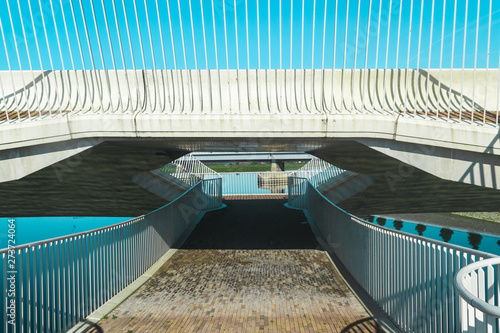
<point x="210" y="285"/>
<point x="255" y="196"/>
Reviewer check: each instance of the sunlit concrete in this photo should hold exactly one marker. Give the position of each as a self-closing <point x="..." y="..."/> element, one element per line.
<point x="262" y="111"/>
<point x="457" y="152"/>
<point x="385" y="110"/>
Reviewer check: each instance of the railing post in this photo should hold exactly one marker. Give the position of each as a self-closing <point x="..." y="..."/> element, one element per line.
<point x="410" y="277"/>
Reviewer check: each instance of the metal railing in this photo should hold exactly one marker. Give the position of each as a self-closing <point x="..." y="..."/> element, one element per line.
<point x="189" y="170"/>
<point x="317" y="172"/>
<point x="255" y="183"/>
<point x="410" y="277"/>
<point x="60" y="57"/>
<point x="297" y="187"/>
<point x="479" y="287"/>
<point x="58" y="282"/>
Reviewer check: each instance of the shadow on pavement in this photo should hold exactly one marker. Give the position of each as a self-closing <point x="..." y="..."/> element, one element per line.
<point x="253" y="224"/>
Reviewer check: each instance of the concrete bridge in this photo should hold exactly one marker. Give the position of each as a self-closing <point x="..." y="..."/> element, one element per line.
<point x="94" y="98"/>
<point x="392" y="144"/>
<point x="353" y="94"/>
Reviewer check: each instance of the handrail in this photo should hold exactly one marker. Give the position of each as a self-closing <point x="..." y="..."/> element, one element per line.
<point x="262" y="182"/>
<point x="188" y="166"/>
<point x="407" y="275"/>
<point x="429" y="240"/>
<point x="88" y="232"/>
<point x="467" y="296"/>
<point x="257" y="172"/>
<point x="88" y="268"/>
<point x="187" y="162"/>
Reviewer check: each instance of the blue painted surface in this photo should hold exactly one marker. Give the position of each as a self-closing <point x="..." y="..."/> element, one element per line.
<point x="34" y="229"/>
<point x="472" y="240"/>
<point x="242" y="183"/>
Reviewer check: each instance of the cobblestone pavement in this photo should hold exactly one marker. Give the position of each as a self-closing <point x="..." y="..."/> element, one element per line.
<point x="218" y="288"/>
<point x="254" y="196"/>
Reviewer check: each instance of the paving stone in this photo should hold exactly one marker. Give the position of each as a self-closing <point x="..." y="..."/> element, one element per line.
<point x="216" y="287"/>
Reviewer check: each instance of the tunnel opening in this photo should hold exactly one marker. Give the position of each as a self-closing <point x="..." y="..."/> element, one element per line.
<point x="253" y="224"/>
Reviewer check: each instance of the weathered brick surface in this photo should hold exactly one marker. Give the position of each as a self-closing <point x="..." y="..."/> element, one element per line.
<point x="231" y="277"/>
<point x="241" y="291"/>
<point x="255" y="196"/>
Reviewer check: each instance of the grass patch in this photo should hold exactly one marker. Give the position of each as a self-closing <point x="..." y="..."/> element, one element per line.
<point x="251" y="167"/>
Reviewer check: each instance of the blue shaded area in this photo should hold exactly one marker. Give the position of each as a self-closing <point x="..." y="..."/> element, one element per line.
<point x="243" y="183"/>
<point x="34" y="229"/>
<point x="164" y="34"/>
<point x="472" y="240"/>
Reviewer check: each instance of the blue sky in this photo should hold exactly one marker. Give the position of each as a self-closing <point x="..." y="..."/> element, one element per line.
<point x="50" y="33"/>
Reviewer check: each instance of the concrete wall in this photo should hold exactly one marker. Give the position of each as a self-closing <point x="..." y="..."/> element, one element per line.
<point x="451" y="150"/>
<point x="250" y="91"/>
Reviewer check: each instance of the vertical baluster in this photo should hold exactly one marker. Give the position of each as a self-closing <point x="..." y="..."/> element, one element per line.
<point x="404" y="273"/>
<point x="112" y="262"/>
<point x="57" y="286"/>
<point x="454" y="264"/>
<point x="108" y="270"/>
<point x="19" y="289"/>
<point x="72" y="281"/>
<point x="409" y="281"/>
<point x="45" y="267"/>
<point x="434" y="304"/>
<point x="419" y="287"/>
<point x="480" y="285"/>
<point x="385" y="291"/>
<point x="3" y="290"/>
<point x="119" y="260"/>
<point x="79" y="287"/>
<point x="445" y="289"/>
<point x="65" y="265"/>
<point x="438" y="255"/>
<point x="36" y="325"/>
<point x="497" y="291"/>
<point x="90" y="272"/>
<point x="102" y="266"/>
<point x="428" y="264"/>
<point x="103" y="269"/>
<point x="127" y="257"/>
<point x="28" y="297"/>
<point x="114" y="256"/>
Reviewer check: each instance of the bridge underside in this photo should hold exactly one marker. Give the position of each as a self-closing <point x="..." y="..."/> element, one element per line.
<point x="95" y="182"/>
<point x="397" y="187"/>
<point x="82" y="135"/>
<point x="99" y="180"/>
